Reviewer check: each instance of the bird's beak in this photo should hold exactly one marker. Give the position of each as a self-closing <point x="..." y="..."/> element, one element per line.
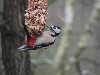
<point x="24" y="47"/>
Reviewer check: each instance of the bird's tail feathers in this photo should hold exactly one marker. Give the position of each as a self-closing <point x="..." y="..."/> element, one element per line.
<point x="24" y="47"/>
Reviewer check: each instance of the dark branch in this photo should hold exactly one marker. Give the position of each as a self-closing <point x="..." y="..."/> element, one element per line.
<point x="78" y="67"/>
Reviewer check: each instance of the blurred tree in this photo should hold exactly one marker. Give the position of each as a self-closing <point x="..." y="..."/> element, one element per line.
<point x="15" y="62"/>
<point x="51" y="1"/>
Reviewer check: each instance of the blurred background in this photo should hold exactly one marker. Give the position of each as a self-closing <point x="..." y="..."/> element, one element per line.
<point x="76" y="50"/>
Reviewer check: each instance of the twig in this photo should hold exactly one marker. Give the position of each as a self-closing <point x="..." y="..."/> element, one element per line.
<point x="87" y="60"/>
<point x="78" y="67"/>
<point x="90" y="61"/>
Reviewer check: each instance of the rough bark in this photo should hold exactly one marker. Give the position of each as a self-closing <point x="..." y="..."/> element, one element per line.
<point x="15" y="62"/>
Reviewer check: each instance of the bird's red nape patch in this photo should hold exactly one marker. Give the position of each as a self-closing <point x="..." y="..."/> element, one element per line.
<point x="31" y="41"/>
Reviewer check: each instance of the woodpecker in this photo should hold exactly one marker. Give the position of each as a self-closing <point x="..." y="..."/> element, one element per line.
<point x="47" y="38"/>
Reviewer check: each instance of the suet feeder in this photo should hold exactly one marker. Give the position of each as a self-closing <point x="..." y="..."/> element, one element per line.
<point x="36" y="16"/>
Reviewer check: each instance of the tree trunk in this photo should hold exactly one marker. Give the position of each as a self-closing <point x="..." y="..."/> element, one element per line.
<point x="15" y="62"/>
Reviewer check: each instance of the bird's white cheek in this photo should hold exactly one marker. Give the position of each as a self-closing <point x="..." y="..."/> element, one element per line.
<point x="57" y="30"/>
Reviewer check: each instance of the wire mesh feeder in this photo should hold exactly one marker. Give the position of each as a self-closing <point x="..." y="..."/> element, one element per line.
<point x="36" y="16"/>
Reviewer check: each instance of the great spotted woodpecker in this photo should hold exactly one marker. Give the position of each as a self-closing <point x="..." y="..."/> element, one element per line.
<point x="47" y="38"/>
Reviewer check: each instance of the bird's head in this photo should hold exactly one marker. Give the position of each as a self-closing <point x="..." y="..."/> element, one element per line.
<point x="56" y="30"/>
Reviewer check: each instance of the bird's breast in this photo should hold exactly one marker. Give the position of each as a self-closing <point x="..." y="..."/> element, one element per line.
<point x="45" y="38"/>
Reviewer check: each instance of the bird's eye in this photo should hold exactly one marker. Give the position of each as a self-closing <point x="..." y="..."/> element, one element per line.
<point x="58" y="27"/>
<point x="54" y="27"/>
